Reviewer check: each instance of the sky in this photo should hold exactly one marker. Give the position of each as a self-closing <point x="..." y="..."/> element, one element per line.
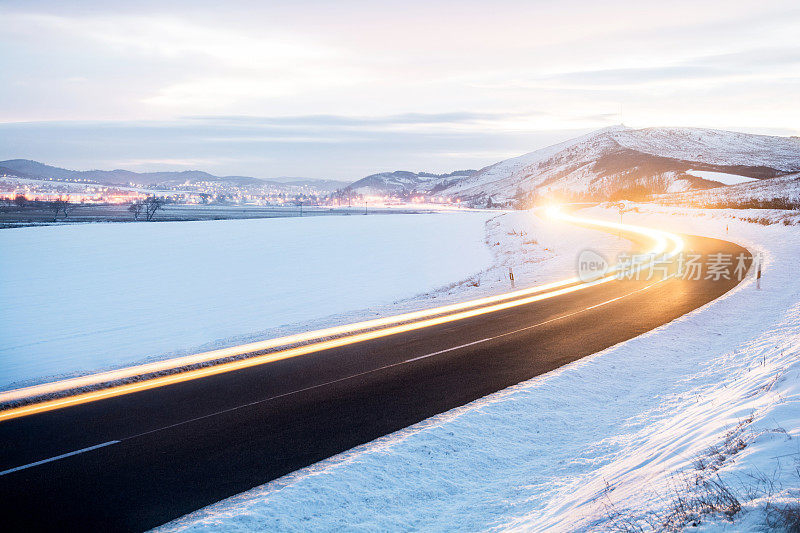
<point x="347" y="88"/>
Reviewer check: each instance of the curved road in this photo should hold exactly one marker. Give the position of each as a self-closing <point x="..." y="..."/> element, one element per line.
<point x="138" y="460"/>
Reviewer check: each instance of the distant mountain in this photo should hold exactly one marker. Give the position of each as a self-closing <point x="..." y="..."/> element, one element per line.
<point x="17" y="173"/>
<point x="402" y="182"/>
<point x="26" y="168"/>
<point x="118" y="176"/>
<point x="617" y="160"/>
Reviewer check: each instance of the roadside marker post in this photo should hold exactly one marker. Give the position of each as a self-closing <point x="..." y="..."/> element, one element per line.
<point x="511" y="276"/>
<point x="758" y="272"/>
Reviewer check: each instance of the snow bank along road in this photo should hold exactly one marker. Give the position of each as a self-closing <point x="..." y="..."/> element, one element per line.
<point x="135" y="455"/>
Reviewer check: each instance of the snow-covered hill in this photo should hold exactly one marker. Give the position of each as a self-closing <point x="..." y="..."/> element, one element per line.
<point x="402" y="182"/>
<point x="781" y="192"/>
<point x="637" y="161"/>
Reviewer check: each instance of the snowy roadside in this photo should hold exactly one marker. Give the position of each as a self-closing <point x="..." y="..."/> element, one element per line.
<point x="149" y="292"/>
<point x="604" y="443"/>
<point x="720" y="452"/>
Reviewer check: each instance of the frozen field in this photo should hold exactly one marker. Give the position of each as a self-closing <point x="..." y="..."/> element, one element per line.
<point x="80" y="298"/>
<point x="83" y="298"/>
<point x="610" y="442"/>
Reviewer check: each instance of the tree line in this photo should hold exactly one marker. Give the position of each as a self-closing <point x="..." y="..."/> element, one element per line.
<point x="147" y="207"/>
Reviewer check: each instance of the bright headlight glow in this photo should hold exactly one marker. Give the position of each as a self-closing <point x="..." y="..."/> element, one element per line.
<point x="552" y="211"/>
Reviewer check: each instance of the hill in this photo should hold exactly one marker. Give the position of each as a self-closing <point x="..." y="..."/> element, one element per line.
<point x="620" y="161"/>
<point x="26" y="168"/>
<point x="403" y="182"/>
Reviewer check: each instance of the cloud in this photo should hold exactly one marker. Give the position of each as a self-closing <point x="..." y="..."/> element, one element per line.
<point x="196" y="162"/>
<point x="345" y="87"/>
<point x="463" y="117"/>
<point x="773" y="63"/>
<point x="205" y="66"/>
<point x="623" y="77"/>
<point x="171" y="37"/>
<point x="345" y="147"/>
<point x="762" y="58"/>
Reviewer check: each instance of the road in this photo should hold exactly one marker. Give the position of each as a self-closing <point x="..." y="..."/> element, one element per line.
<point x="140" y="459"/>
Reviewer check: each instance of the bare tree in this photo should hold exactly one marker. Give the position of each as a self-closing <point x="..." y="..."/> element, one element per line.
<point x="136" y="208"/>
<point x="60" y="205"/>
<point x="20" y="200"/>
<point x="151" y="205"/>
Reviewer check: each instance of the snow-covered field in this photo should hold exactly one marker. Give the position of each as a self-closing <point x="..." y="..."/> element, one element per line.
<point x="628" y="437"/>
<point x="78" y="299"/>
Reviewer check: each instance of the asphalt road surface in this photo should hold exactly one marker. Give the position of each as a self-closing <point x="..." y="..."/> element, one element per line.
<point x="136" y="461"/>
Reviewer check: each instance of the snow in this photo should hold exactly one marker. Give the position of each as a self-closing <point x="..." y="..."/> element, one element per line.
<point x="716" y="147"/>
<point x="70" y="185"/>
<point x="403" y="181"/>
<point x="88" y="298"/>
<point x="572" y="165"/>
<point x="503" y="178"/>
<point x="604" y="437"/>
<point x="679" y="185"/>
<point x="80" y="298"/>
<point x="721" y="177"/>
<point x="783" y="187"/>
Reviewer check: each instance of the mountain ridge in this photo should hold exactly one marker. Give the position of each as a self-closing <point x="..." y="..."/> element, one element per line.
<point x="406" y="182"/>
<point x="28" y="168"/>
<point x="618" y="159"/>
<point x="603" y="164"/>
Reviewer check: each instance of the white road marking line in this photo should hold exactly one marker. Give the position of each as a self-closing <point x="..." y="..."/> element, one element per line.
<point x="57" y="457"/>
<point x="442" y="351"/>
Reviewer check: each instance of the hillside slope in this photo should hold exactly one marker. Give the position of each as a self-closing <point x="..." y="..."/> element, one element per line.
<point x="403" y="182"/>
<point x="779" y="193"/>
<point x="620" y="160"/>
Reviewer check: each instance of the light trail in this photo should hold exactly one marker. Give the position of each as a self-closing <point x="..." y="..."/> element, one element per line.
<point x="319" y="385"/>
<point x="348" y="334"/>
